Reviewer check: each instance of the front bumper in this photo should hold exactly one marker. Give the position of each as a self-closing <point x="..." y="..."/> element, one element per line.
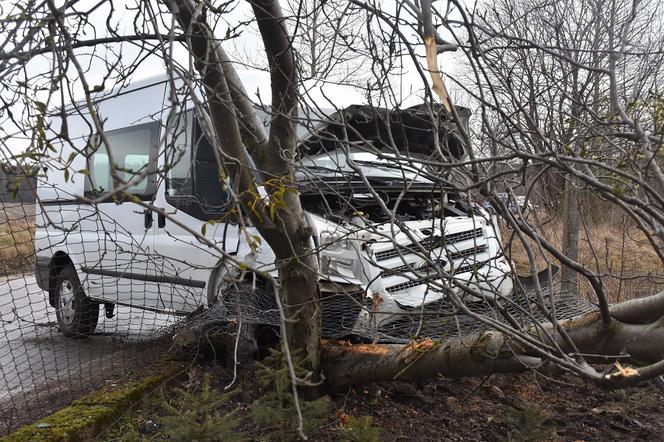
<point x="407" y="275"/>
<point x="383" y="309"/>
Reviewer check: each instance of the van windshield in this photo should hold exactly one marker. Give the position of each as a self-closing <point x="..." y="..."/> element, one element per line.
<point x="344" y="162"/>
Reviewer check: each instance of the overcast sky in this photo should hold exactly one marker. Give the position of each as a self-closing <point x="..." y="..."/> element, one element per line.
<point x="247" y="46"/>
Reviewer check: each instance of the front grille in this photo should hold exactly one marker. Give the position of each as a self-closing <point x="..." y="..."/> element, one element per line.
<point x="429" y="244"/>
<point x="425" y="279"/>
<point x="463" y="236"/>
<point x="407" y="268"/>
<point x="469" y="267"/>
<point x="406" y="285"/>
<point x="473" y="251"/>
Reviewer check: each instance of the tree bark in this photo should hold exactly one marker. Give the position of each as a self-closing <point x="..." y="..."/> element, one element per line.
<point x="571" y="223"/>
<point x="279" y="218"/>
<point x="635" y="335"/>
<point x="293" y="244"/>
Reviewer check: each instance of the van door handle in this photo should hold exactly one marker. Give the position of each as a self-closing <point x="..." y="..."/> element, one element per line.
<point x="161" y="216"/>
<point x="147" y="218"/>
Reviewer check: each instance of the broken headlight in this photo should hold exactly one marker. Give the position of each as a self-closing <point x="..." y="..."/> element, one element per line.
<point x="334" y="241"/>
<point x="338" y="257"/>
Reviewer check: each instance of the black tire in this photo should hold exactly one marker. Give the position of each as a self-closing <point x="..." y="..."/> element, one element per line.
<point x="242" y="338"/>
<point x="241" y="344"/>
<point x="77" y="315"/>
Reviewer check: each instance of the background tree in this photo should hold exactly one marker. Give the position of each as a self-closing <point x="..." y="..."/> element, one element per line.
<point x="547" y="63"/>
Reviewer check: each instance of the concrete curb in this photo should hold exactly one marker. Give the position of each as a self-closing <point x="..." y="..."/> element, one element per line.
<point x="87" y="417"/>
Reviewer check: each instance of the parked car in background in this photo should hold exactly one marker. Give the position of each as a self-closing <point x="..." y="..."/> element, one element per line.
<point x="515" y="203"/>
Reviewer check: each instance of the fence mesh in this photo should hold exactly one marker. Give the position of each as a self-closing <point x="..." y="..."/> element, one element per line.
<point x="437" y="321"/>
<point x="42" y="370"/>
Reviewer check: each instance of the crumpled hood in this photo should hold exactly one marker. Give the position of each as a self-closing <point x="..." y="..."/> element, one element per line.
<point x="410" y="130"/>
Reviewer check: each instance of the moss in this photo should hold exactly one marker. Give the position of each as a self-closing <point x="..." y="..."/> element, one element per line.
<point x="88" y="416"/>
<point x="74" y="423"/>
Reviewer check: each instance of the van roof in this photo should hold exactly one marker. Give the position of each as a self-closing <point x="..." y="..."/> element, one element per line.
<point x="330" y="105"/>
<point x="317" y="93"/>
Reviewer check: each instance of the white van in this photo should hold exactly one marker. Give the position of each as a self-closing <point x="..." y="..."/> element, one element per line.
<point x="116" y="252"/>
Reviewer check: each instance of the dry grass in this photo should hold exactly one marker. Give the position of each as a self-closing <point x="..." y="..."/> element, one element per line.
<point x="618" y="251"/>
<point x="17" y="250"/>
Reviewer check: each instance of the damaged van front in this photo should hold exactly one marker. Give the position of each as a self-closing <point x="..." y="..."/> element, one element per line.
<point x="401" y="239"/>
<point x="389" y="226"/>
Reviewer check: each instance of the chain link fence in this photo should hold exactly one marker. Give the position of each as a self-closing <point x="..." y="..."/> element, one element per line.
<point x="41" y="369"/>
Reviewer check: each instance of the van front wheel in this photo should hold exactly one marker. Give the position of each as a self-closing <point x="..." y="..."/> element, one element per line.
<point x="77" y="315"/>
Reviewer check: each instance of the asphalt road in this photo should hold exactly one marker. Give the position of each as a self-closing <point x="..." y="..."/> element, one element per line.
<point x="40" y="369"/>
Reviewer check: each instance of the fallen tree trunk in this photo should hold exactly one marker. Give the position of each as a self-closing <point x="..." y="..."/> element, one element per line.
<point x="636" y="334"/>
<point x="482" y="354"/>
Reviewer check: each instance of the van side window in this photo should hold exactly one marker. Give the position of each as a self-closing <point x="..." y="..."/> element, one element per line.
<point x="194" y="182"/>
<point x="179" y="179"/>
<point x="133" y="150"/>
<point x="209" y="185"/>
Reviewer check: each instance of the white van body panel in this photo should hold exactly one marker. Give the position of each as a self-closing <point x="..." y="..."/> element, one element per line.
<point x="105" y="236"/>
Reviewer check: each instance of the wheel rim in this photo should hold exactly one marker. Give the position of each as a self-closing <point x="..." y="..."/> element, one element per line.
<point x="66" y="303"/>
<point x="219" y="306"/>
<point x="222" y="279"/>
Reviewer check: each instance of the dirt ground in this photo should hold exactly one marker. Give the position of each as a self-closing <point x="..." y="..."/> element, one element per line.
<point x="524" y="407"/>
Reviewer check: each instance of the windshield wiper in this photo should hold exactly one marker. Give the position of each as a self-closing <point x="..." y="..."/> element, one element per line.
<point x="397" y="166"/>
<point x="313" y="167"/>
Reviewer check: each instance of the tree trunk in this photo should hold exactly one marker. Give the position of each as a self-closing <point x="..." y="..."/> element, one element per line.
<point x="571" y="224"/>
<point x="292" y="242"/>
<point x="637" y="330"/>
<point x="279" y="218"/>
<point x="635" y="335"/>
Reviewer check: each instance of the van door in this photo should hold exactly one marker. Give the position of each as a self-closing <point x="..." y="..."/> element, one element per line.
<point x="194" y="198"/>
<point x="118" y="256"/>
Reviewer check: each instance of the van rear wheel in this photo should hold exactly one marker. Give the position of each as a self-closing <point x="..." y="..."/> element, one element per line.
<point x="240" y="345"/>
<point x="77" y="314"/>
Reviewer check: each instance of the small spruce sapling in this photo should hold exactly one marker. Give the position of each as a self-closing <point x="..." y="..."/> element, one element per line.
<point x="275" y="411"/>
<point x="197" y="416"/>
<point x="360" y="429"/>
